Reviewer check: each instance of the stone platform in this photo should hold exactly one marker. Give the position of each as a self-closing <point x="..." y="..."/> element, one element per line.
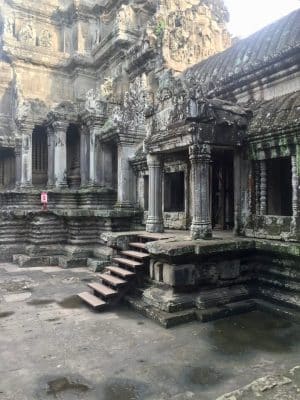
<point x="210" y="279"/>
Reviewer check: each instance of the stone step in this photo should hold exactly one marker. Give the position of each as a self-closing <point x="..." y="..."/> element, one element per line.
<point x="96" y="265"/>
<point x="25" y="261"/>
<point x="154" y="236"/>
<point x="92" y="300"/>
<point x="278" y="310"/>
<point x="104" y="291"/>
<point x="165" y="319"/>
<point x="126" y="261"/>
<point x="113" y="280"/>
<point x="135" y="254"/>
<point x="226" y="310"/>
<point x="138" y="245"/>
<point x="70" y="262"/>
<point x="123" y="273"/>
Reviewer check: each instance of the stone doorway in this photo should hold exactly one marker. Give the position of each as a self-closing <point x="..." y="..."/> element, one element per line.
<point x="39" y="156"/>
<point x="7" y="168"/>
<point x="222" y="189"/>
<point x="73" y="157"/>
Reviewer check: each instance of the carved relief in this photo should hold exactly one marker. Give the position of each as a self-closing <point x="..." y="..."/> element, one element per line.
<point x="45" y="39"/>
<point x="9" y="26"/>
<point x="190" y="34"/>
<point x="27" y="35"/>
<point x="125" y="17"/>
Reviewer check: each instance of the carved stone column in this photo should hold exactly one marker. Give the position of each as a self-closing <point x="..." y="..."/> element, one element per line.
<point x="26" y="163"/>
<point x="257" y="187"/>
<point x="237" y="192"/>
<point x="200" y="157"/>
<point x="51" y="157"/>
<point x="18" y="161"/>
<point x="60" y="154"/>
<point x="263" y="187"/>
<point x="126" y="177"/>
<point x="84" y="155"/>
<point x="295" y="183"/>
<point x="155" y="213"/>
<point x="94" y="128"/>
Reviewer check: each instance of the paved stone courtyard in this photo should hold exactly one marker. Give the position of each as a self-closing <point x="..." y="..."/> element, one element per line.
<point x="52" y="347"/>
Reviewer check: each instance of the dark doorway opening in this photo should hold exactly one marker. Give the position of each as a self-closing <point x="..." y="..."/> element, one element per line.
<point x="73" y="156"/>
<point x="222" y="190"/>
<point x="174" y="192"/>
<point x="279" y="186"/>
<point x="7" y="169"/>
<point x="39" y="156"/>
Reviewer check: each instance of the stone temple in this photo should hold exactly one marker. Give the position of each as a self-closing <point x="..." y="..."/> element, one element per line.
<point x="170" y="154"/>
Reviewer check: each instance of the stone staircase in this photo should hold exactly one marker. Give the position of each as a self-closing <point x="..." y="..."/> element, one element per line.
<point x="126" y="273"/>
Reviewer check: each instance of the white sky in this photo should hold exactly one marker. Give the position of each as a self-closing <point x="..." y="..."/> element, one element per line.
<point x="248" y="16"/>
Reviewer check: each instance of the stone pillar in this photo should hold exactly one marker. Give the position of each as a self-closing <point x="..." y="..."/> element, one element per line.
<point x="237" y="191"/>
<point x="60" y="153"/>
<point x="84" y="155"/>
<point x="18" y="160"/>
<point x="295" y="184"/>
<point x="263" y="187"/>
<point x="257" y="187"/>
<point x="26" y="163"/>
<point x="126" y="177"/>
<point x="51" y="157"/>
<point x="200" y="157"/>
<point x="94" y="128"/>
<point x="155" y="213"/>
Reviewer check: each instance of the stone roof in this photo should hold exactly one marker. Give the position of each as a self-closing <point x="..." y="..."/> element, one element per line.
<point x="277" y="114"/>
<point x="247" y="55"/>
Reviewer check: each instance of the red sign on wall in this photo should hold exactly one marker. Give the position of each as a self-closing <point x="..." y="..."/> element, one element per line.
<point x="44" y="197"/>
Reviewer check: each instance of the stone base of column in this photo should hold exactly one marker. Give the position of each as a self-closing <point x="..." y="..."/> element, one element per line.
<point x="62" y="185"/>
<point x="124" y="205"/>
<point x="201" y="231"/>
<point x="92" y="184"/>
<point x="153" y="226"/>
<point x="26" y="185"/>
<point x="50" y="186"/>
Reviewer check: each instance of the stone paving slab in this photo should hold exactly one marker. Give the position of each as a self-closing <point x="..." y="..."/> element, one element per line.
<point x="53" y="347"/>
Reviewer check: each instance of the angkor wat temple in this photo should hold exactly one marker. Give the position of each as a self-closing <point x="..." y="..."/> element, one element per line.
<point x="142" y="121"/>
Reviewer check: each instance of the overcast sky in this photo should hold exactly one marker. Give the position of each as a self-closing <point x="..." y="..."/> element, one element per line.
<point x="248" y="16"/>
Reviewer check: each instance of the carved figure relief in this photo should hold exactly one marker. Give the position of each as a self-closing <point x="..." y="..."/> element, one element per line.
<point x="125" y="17"/>
<point x="9" y="26"/>
<point x="45" y="39"/>
<point x="27" y="35"/>
<point x="190" y="34"/>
